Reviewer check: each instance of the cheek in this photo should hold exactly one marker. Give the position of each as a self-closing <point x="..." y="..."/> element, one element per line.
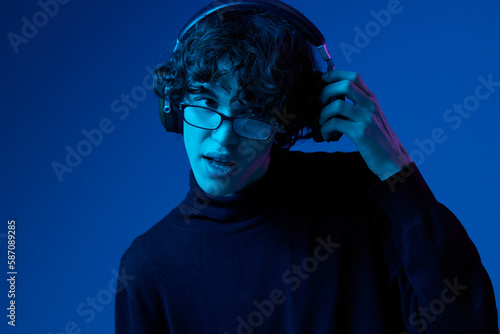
<point x="254" y="152"/>
<point x="193" y="138"/>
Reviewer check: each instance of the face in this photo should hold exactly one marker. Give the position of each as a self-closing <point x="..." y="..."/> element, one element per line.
<point x="251" y="158"/>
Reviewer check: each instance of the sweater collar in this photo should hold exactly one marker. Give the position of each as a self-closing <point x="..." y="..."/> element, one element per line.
<point x="207" y="212"/>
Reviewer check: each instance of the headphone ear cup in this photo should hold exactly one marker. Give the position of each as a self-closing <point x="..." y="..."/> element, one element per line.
<point x="169" y="120"/>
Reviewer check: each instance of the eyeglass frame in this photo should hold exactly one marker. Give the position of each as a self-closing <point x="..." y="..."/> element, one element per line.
<point x="231" y="119"/>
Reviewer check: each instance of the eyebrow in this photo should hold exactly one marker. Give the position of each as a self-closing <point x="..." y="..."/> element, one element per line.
<point x="200" y="89"/>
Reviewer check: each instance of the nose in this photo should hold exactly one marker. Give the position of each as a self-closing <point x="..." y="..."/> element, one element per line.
<point x="224" y="134"/>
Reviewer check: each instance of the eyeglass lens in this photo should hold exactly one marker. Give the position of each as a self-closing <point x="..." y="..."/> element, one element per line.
<point x="210" y="120"/>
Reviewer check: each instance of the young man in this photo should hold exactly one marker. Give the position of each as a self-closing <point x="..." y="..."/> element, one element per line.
<point x="273" y="241"/>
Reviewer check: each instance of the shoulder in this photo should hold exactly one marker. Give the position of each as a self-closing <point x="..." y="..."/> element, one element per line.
<point x="143" y="253"/>
<point x="135" y="259"/>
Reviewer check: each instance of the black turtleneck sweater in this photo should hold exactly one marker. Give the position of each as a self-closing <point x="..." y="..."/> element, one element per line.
<point x="318" y="245"/>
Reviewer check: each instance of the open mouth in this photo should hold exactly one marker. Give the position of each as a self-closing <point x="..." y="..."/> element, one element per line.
<point x="219" y="163"/>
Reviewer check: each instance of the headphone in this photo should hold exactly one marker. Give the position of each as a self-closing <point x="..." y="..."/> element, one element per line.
<point x="173" y="123"/>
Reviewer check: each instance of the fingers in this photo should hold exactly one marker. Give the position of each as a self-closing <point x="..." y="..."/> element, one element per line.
<point x="359" y="116"/>
<point x="348" y="89"/>
<point x="356" y="119"/>
<point x="340" y="107"/>
<point x="354" y="77"/>
<point x="336" y="124"/>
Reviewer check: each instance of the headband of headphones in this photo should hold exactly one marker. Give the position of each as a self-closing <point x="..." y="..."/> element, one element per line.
<point x="169" y="119"/>
<point x="314" y="36"/>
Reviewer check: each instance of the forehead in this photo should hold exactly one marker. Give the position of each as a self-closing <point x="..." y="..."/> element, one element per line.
<point x="227" y="86"/>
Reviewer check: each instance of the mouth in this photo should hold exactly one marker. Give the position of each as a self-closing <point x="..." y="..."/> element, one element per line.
<point x="219" y="162"/>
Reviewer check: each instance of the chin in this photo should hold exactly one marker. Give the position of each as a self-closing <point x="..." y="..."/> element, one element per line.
<point x="219" y="184"/>
<point x="215" y="188"/>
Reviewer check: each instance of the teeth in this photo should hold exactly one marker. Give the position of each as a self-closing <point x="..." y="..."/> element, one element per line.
<point x="220" y="161"/>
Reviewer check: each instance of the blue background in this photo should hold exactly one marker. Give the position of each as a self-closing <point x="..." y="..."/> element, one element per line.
<point x="70" y="76"/>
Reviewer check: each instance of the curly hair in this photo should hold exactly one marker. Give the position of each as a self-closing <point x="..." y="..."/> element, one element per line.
<point x="273" y="63"/>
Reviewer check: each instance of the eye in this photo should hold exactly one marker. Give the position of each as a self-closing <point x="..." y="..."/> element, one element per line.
<point x="207" y="102"/>
<point x="257" y="113"/>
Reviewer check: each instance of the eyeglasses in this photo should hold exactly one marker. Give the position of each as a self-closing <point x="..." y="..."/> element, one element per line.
<point x="245" y="126"/>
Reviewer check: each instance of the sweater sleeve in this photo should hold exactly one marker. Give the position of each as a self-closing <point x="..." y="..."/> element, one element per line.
<point x="137" y="305"/>
<point x="443" y="285"/>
